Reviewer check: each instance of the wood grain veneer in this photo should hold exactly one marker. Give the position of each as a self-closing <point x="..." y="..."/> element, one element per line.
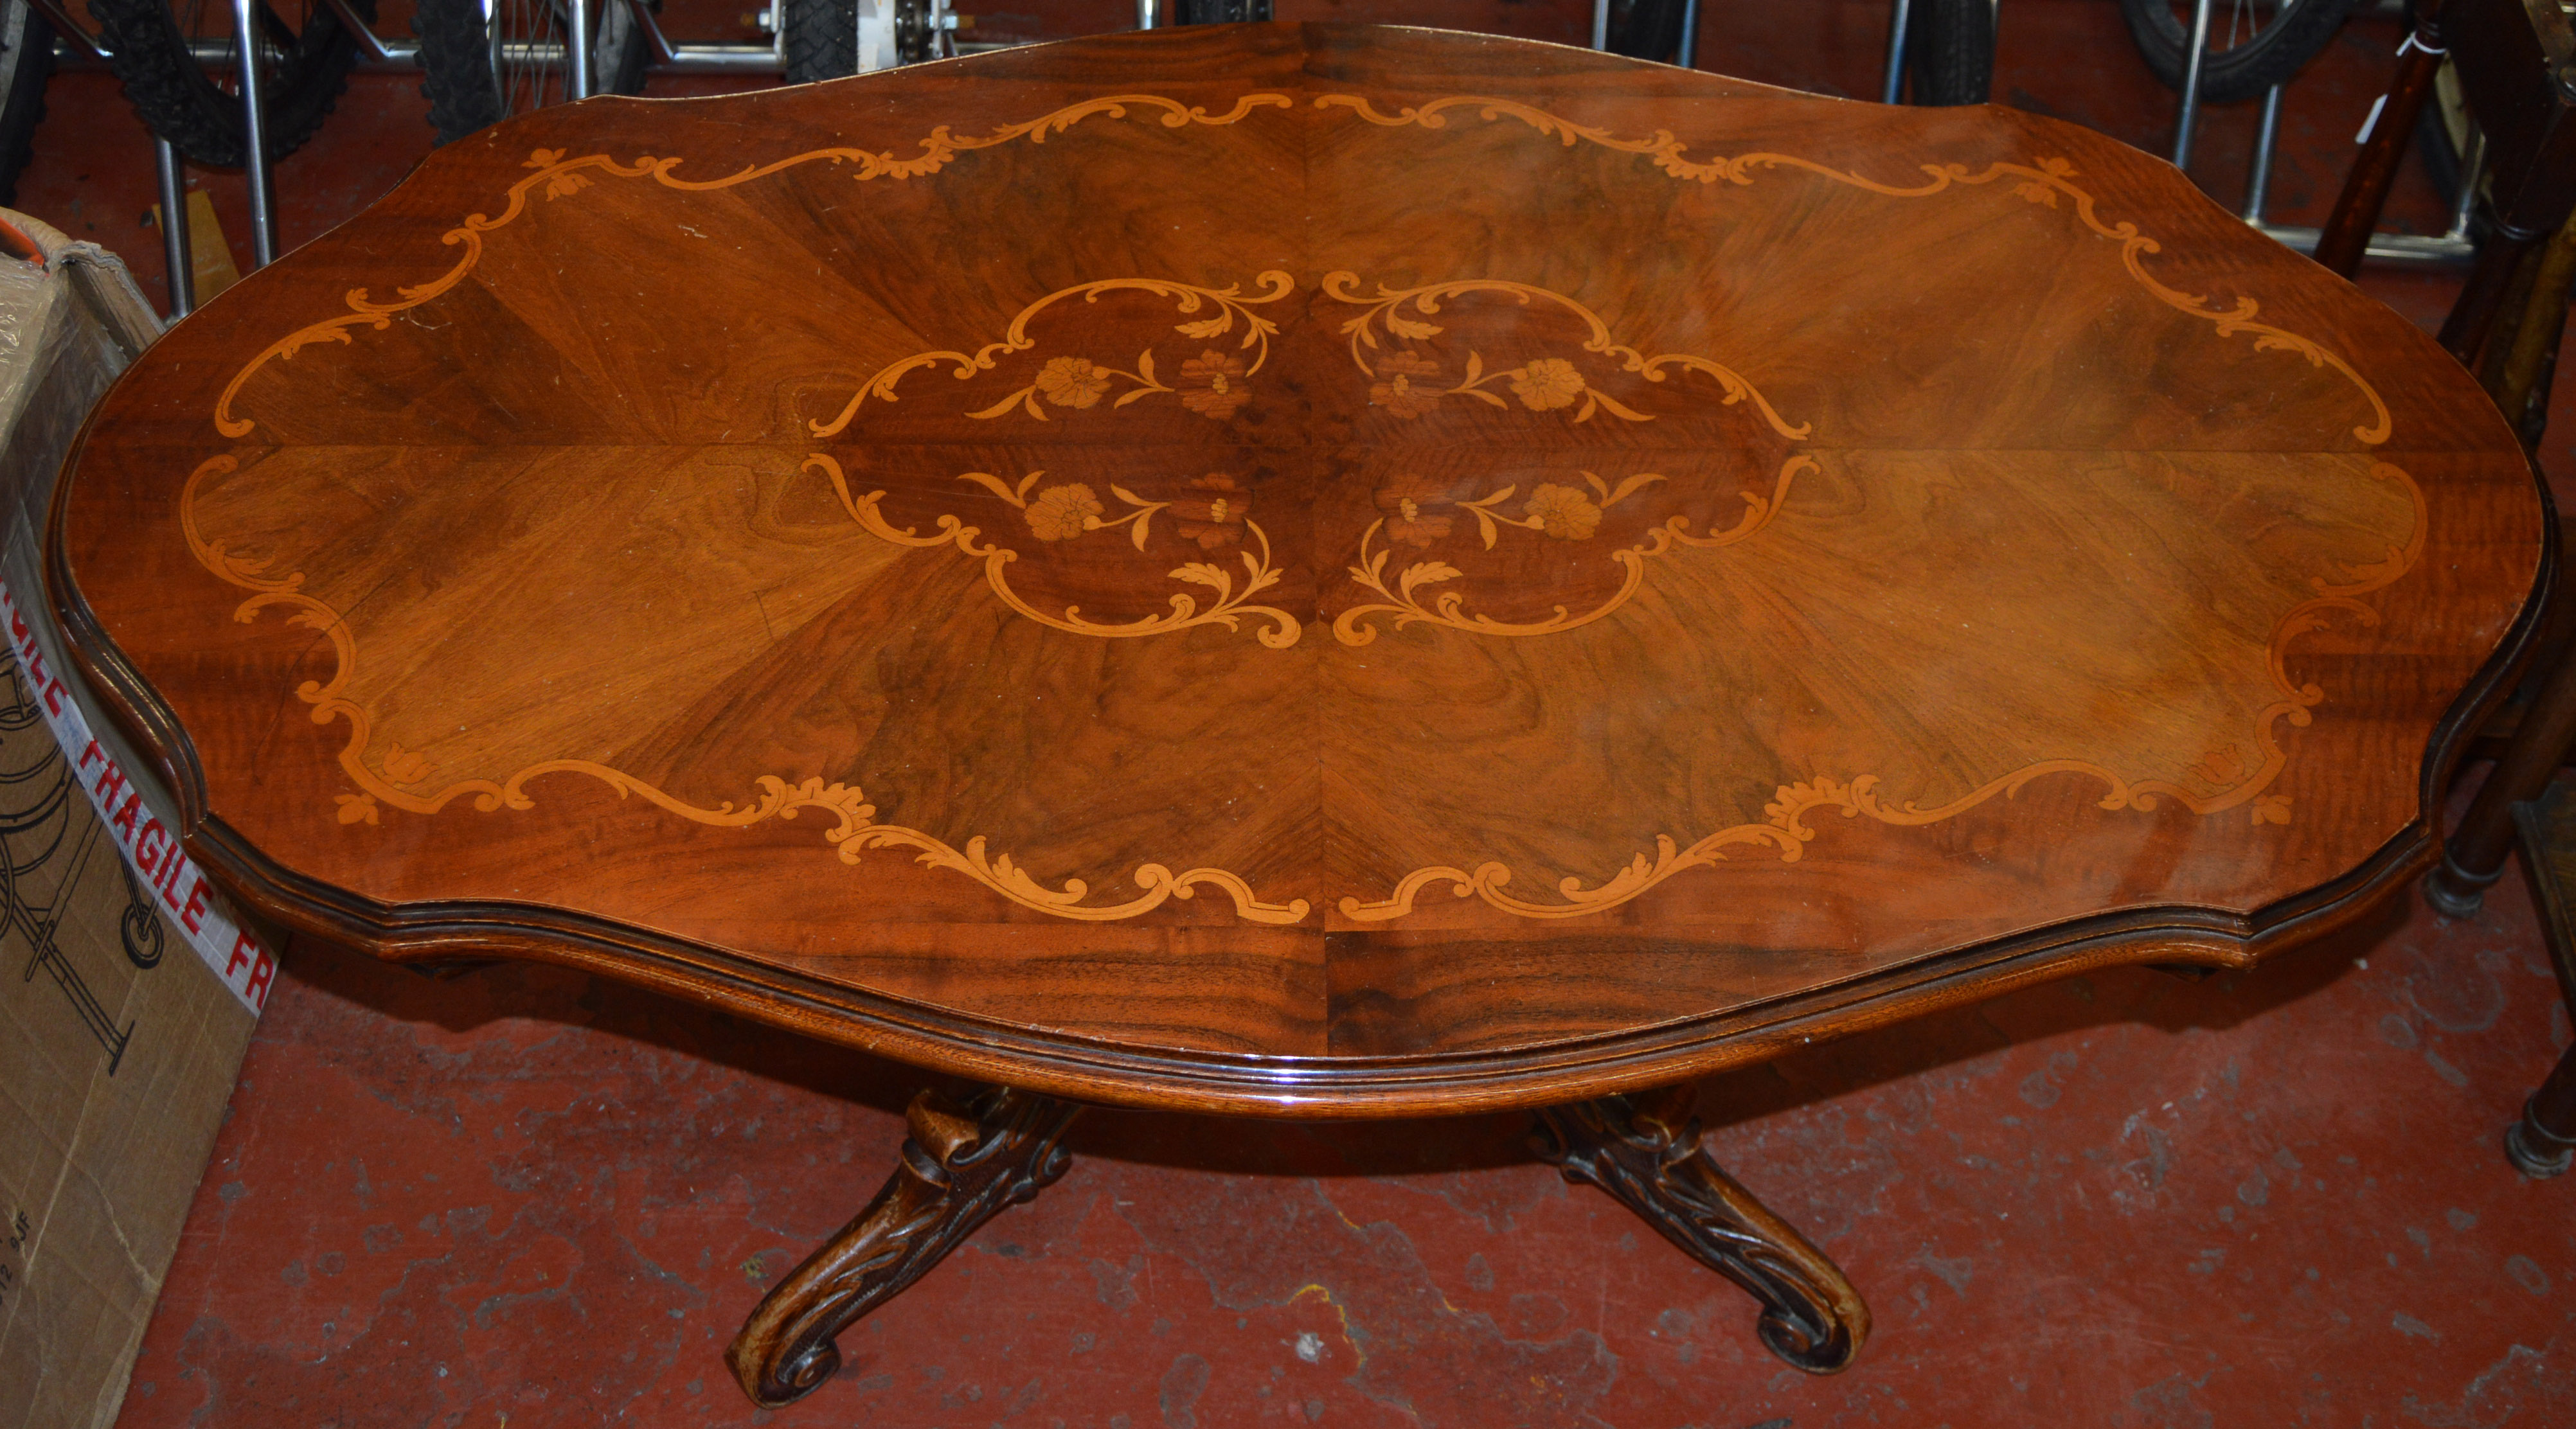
<point x="1307" y="569"/>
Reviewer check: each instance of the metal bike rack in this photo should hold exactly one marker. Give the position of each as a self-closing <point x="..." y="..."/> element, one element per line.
<point x="76" y="48"/>
<point x="2452" y="246"/>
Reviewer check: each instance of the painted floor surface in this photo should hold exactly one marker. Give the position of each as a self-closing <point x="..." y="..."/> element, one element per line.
<point x="530" y="1198"/>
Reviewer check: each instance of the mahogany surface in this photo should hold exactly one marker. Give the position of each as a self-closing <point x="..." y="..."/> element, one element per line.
<point x="1301" y="569"/>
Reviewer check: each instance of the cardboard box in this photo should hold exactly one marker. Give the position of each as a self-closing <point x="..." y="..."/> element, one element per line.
<point x="128" y="993"/>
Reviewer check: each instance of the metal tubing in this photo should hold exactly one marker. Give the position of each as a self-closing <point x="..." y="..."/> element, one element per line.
<point x="654" y="40"/>
<point x="2258" y="185"/>
<point x="1689" y="57"/>
<point x="67" y="32"/>
<point x="404" y="54"/>
<point x="263" y="195"/>
<point x="1898" y="15"/>
<point x="1600" y="24"/>
<point x="175" y="257"/>
<point x="577" y="74"/>
<point x="1144" y="14"/>
<point x="2473" y="168"/>
<point x="370" y="48"/>
<point x="2190" y="114"/>
<point x="2397" y="247"/>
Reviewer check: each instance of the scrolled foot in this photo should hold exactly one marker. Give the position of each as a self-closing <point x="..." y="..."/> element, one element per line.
<point x="961" y="1166"/>
<point x="1644" y="1151"/>
<point x="2535" y="1150"/>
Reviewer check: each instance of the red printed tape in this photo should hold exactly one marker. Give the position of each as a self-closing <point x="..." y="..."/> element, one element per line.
<point x="235" y="957"/>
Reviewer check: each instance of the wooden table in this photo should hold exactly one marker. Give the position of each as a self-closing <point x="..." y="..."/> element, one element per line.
<point x="1300" y="571"/>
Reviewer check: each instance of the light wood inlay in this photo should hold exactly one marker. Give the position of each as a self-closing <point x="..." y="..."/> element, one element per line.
<point x="1316" y="519"/>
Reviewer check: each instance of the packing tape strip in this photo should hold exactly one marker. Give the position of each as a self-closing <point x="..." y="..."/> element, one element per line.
<point x="237" y="959"/>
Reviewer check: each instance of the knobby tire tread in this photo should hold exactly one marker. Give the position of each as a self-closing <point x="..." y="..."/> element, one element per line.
<point x="456" y="67"/>
<point x="822" y="39"/>
<point x="25" y="66"/>
<point x="177" y="101"/>
<point x="1950" y="50"/>
<point x="1223" y="12"/>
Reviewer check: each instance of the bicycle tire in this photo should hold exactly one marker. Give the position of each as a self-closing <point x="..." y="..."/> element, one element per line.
<point x="823" y="37"/>
<point x="1223" y="12"/>
<point x="179" y="102"/>
<point x="1646" y="29"/>
<point x="1950" y="50"/>
<point x="2241" y="72"/>
<point x="26" y="62"/>
<point x="456" y="65"/>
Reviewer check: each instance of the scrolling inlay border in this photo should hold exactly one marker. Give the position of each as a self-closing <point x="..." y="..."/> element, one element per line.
<point x="1784" y="829"/>
<point x="2040" y="183"/>
<point x="854" y="829"/>
<point x="1089" y="386"/>
<point x="564" y="177"/>
<point x="1228" y="610"/>
<point x="1343" y="286"/>
<point x="1448" y="608"/>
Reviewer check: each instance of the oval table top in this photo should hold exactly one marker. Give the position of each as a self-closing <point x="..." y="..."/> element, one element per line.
<point x="1304" y="569"/>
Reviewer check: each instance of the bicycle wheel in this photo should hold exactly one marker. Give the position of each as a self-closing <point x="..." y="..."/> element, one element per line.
<point x="823" y="37"/>
<point x="1646" y="29"/>
<point x="155" y="46"/>
<point x="474" y="74"/>
<point x="1222" y="12"/>
<point x="1950" y="49"/>
<point x="26" y="62"/>
<point x="2253" y="44"/>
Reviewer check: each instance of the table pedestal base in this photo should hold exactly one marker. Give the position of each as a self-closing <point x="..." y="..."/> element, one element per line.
<point x="1644" y="1151"/>
<point x="963" y="1164"/>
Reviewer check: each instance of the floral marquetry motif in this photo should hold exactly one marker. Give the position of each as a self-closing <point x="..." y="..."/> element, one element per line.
<point x="1299" y="543"/>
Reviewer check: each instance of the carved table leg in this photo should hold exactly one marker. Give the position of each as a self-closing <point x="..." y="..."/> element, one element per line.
<point x="961" y="1166"/>
<point x="1644" y="1150"/>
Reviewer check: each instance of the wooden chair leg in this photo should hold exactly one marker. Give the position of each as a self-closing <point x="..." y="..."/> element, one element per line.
<point x="2365" y="188"/>
<point x="2465" y="330"/>
<point x="2507" y="327"/>
<point x="2475" y="854"/>
<point x="2535" y="406"/>
<point x="2523" y="389"/>
<point x="2542" y="1143"/>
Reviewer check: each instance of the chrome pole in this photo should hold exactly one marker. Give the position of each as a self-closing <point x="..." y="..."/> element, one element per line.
<point x="1897" y="18"/>
<point x="577" y="78"/>
<point x="263" y="196"/>
<point x="2473" y="164"/>
<point x="182" y="264"/>
<point x="1690" y="35"/>
<point x="2191" y="83"/>
<point x="2258" y="185"/>
<point x="1144" y="13"/>
<point x="1600" y="24"/>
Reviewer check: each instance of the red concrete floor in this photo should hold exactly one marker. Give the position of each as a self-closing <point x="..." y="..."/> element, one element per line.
<point x="531" y="1198"/>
